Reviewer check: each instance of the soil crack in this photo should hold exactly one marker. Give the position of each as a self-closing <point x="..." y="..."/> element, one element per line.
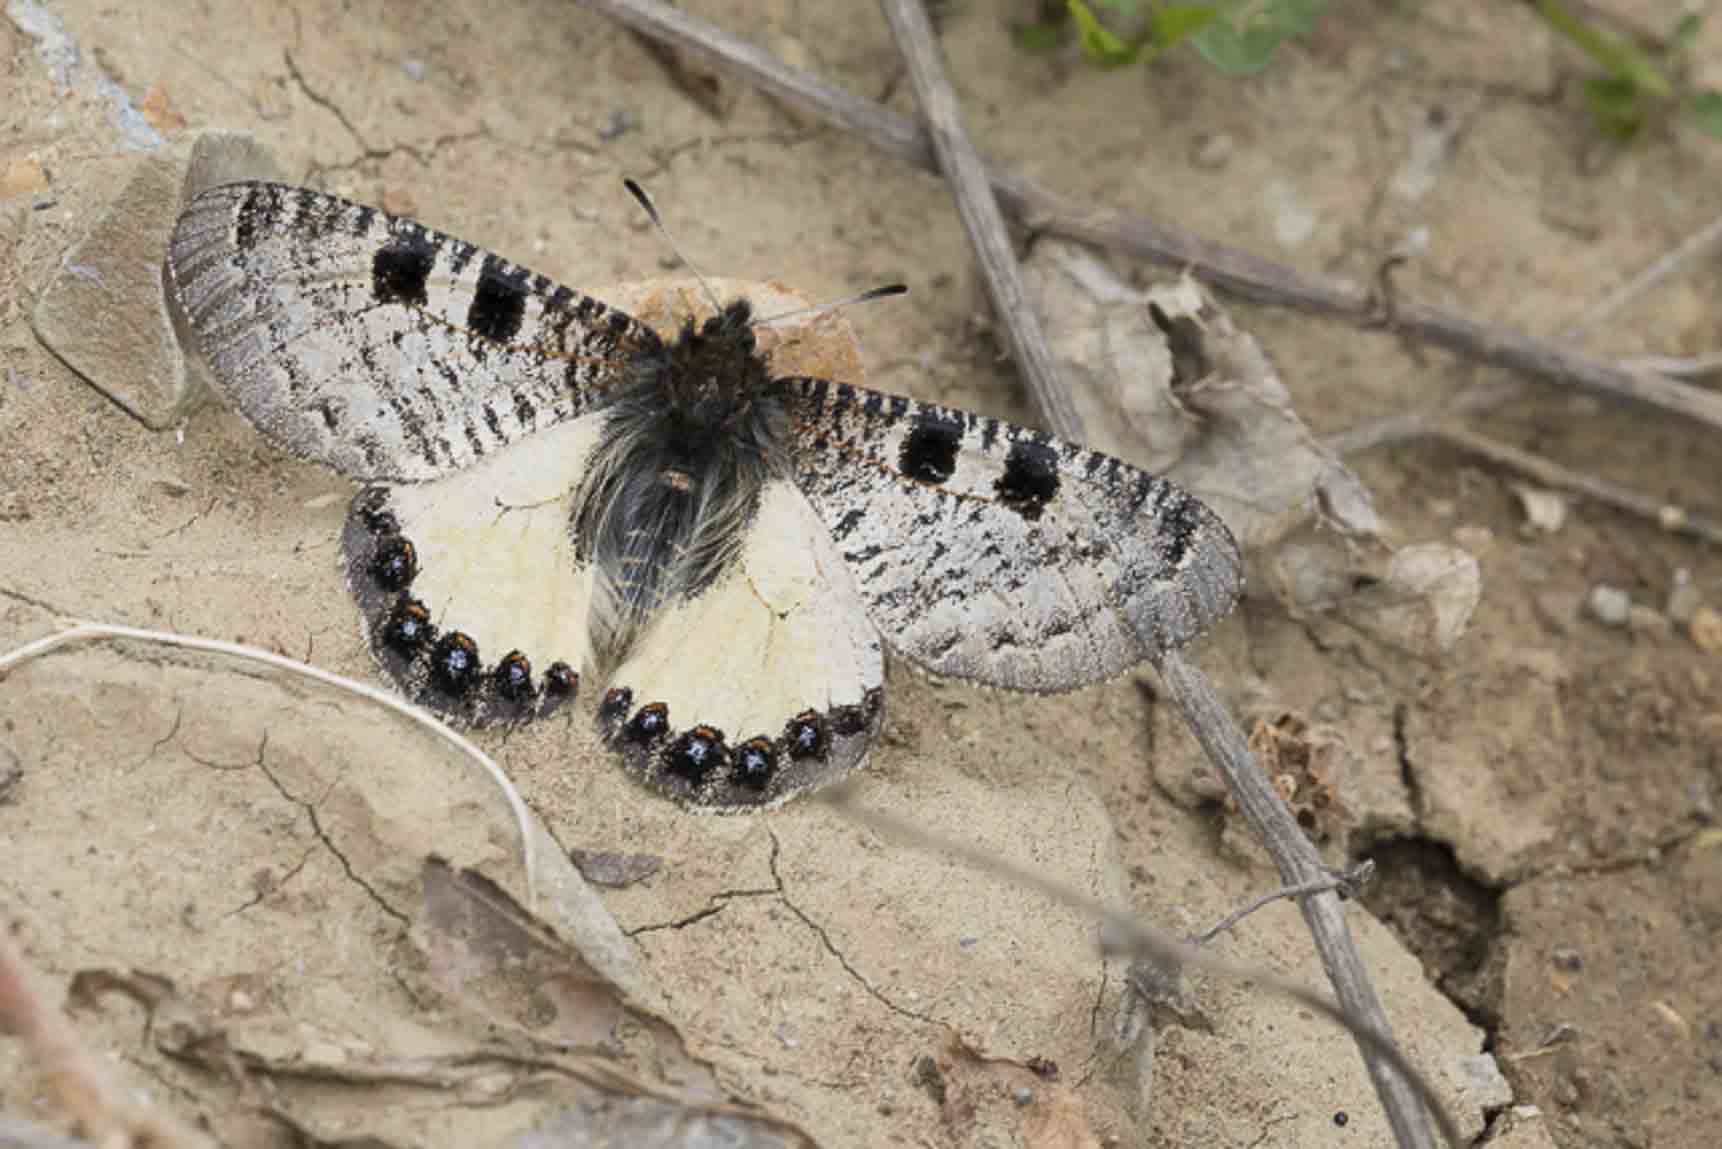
<point x="831" y="947"/>
<point x="323" y="836"/>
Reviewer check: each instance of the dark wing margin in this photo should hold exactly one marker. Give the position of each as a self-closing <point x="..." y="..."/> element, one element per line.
<point x="989" y="552"/>
<point x="375" y="345"/>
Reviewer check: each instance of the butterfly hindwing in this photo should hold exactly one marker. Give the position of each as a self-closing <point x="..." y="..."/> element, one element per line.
<point x="376" y="345"/>
<point x="764" y="684"/>
<point x="992" y="553"/>
<point x="473" y="597"/>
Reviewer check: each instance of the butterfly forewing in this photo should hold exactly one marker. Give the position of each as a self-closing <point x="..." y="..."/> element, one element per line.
<point x="378" y="346"/>
<point x="989" y="552"/>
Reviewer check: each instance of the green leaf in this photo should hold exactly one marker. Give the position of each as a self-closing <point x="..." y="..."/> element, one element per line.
<point x="1614" y="105"/>
<point x="1243" y="37"/>
<point x="1621" y="60"/>
<point x="1038" y="37"/>
<point x="1177" y="22"/>
<point x="1686" y="32"/>
<point x="1707" y="109"/>
<point x="1098" y="42"/>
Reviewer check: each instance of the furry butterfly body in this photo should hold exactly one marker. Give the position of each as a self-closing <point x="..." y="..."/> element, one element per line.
<point x="554" y="490"/>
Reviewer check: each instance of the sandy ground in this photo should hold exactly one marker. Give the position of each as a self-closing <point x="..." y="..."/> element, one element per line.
<point x="1541" y="803"/>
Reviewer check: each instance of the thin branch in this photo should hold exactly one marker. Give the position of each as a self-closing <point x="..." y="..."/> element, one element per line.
<point x="1296" y="858"/>
<point x="1345" y="884"/>
<point x="1487" y="396"/>
<point x="79" y="632"/>
<point x="78" y="1081"/>
<point x="1679" y="367"/>
<point x="1227" y="268"/>
<point x="1299" y="865"/>
<point x="1668" y="516"/>
<point x="1123" y="934"/>
<point x="962" y="169"/>
<point x="1671" y="261"/>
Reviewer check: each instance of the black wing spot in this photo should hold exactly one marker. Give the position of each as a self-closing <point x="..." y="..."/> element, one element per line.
<point x="259" y="215"/>
<point x="930" y="451"/>
<point x="696" y="755"/>
<point x="650" y="722"/>
<point x="454" y="663"/>
<point x="1030" y="479"/>
<point x="806" y="736"/>
<point x="513" y="677"/>
<point x="402" y="268"/>
<point x="560" y="681"/>
<point x="394" y="564"/>
<point x="1180" y="524"/>
<point x="755" y="763"/>
<point x="408" y="627"/>
<point x="499" y="304"/>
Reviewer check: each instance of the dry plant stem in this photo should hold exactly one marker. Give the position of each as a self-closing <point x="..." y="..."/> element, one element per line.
<point x="1228" y="268"/>
<point x="1430" y="424"/>
<point x="1553" y="475"/>
<point x="1688" y="367"/>
<point x="17" y="1134"/>
<point x="1122" y="935"/>
<point x="1485" y="396"/>
<point x="1346" y="883"/>
<point x="962" y="169"/>
<point x="102" y="1108"/>
<point x="1296" y="858"/>
<point x="1671" y="261"/>
<point x="93" y="631"/>
<point x="1299" y="864"/>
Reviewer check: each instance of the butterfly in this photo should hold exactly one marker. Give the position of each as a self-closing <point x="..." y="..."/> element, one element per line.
<point x="554" y="491"/>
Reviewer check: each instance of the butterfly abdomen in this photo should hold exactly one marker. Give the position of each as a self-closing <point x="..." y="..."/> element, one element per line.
<point x="675" y="480"/>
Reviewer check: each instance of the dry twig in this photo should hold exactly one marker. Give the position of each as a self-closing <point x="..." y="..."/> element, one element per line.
<point x="103" y="1108"/>
<point x="79" y="632"/>
<point x="1666" y="515"/>
<point x="1346" y="884"/>
<point x="1298" y="862"/>
<point x="962" y="169"/>
<point x="1227" y="268"/>
<point x="1122" y="935"/>
<point x="1441" y="421"/>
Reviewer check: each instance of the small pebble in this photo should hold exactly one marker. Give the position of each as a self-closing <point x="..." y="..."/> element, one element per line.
<point x="1683" y="598"/>
<point x="1648" y="621"/>
<point x="1609" y="605"/>
<point x="1476" y="539"/>
<point x="1705" y="627"/>
<point x="1545" y="511"/>
<point x="1214" y="151"/>
<point x="1022" y="1095"/>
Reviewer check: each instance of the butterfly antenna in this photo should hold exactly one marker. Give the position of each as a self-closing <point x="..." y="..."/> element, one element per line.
<point x="651" y="210"/>
<point x="867" y="296"/>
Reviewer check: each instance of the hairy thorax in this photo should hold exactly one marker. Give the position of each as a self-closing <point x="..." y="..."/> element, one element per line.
<point x="676" y="479"/>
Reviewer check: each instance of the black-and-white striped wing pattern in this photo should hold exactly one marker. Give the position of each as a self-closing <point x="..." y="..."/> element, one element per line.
<point x="375" y="345"/>
<point x="992" y="553"/>
<point x="557" y="492"/>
